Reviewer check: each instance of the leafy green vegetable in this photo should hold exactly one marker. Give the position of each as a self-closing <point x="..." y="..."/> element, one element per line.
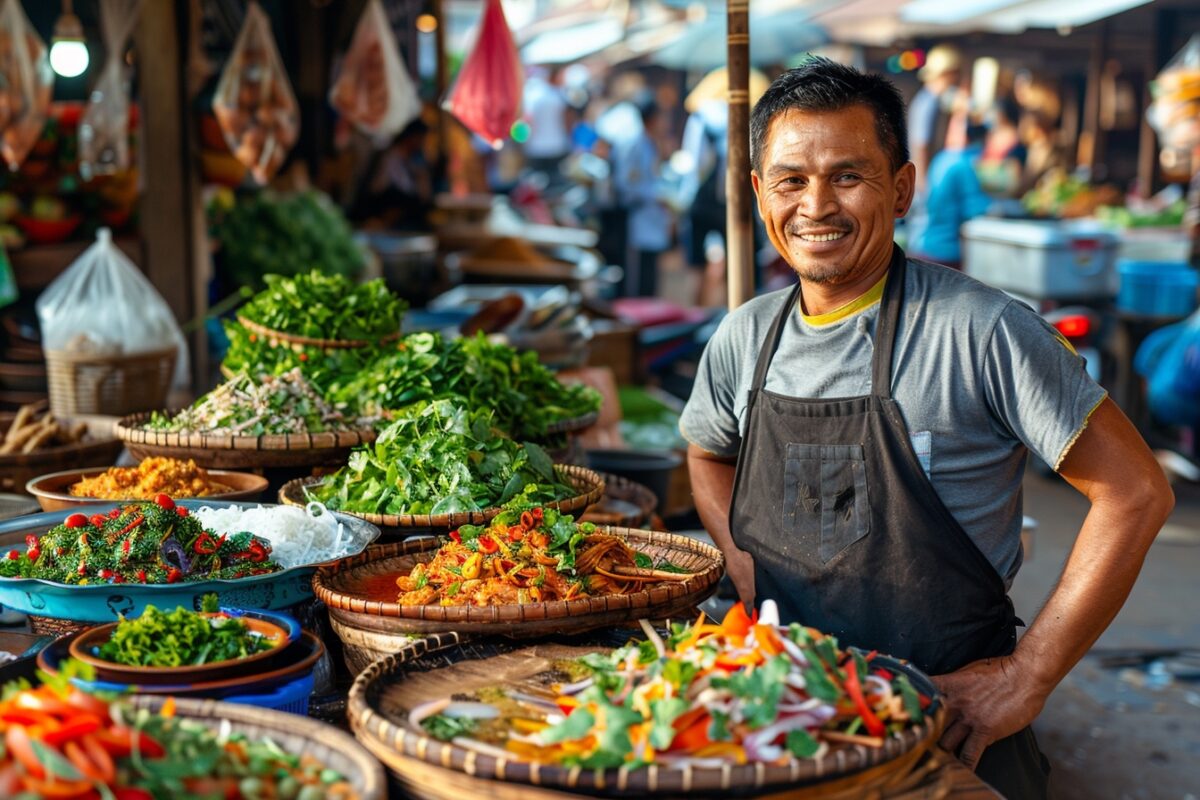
<point x="180" y="638"/>
<point x="665" y="711"/>
<point x="440" y="458"/>
<point x="908" y="694"/>
<point x="267" y="232"/>
<point x="577" y="725"/>
<point x="445" y="728"/>
<point x="322" y="306"/>
<point x="802" y="744"/>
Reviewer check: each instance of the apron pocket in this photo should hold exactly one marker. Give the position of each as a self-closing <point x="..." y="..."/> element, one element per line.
<point x="825" y="497"/>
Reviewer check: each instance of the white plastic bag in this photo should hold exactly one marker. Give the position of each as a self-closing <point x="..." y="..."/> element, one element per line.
<point x="103" y="304"/>
<point x="1175" y="112"/>
<point x="26" y="83"/>
<point x="373" y="89"/>
<point x="254" y="103"/>
<point x="104" y="129"/>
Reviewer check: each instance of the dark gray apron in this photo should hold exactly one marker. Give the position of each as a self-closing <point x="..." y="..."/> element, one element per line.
<point x="857" y="543"/>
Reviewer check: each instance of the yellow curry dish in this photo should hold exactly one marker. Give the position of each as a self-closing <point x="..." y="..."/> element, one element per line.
<point x="170" y="476"/>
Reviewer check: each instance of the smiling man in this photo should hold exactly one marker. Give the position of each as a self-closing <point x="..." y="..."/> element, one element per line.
<point x="857" y="443"/>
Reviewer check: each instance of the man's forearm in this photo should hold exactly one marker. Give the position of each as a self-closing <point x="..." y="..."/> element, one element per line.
<point x="712" y="489"/>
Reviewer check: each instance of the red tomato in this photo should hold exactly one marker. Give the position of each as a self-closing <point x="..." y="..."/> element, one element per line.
<point x="181" y="511"/>
<point x="98" y="520"/>
<point x="163" y="501"/>
<point x="89" y="703"/>
<point x="75" y="521"/>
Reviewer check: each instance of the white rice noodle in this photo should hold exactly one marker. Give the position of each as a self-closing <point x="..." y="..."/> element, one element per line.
<point x="298" y="536"/>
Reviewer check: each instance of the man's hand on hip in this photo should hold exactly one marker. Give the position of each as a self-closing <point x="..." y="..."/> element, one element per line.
<point x="987" y="701"/>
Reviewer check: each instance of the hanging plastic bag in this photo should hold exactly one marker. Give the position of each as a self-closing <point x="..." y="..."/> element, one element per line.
<point x="373" y="90"/>
<point x="26" y="83"/>
<point x="103" y="305"/>
<point x="1175" y="112"/>
<point x="1169" y="359"/>
<point x="104" y="129"/>
<point x="486" y="96"/>
<point x="254" y="104"/>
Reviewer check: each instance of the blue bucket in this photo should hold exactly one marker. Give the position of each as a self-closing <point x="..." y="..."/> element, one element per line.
<point x="1157" y="288"/>
<point x="291" y="697"/>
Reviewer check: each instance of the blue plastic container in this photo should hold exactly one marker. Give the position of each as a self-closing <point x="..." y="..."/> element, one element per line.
<point x="1157" y="288"/>
<point x="291" y="697"/>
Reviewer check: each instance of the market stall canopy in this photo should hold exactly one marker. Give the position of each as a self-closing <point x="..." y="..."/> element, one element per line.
<point x="883" y="21"/>
<point x="570" y="44"/>
<point x="775" y="38"/>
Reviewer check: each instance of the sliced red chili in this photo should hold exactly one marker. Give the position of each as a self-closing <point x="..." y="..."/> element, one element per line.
<point x="206" y="544"/>
<point x="873" y="724"/>
<point x="527" y="520"/>
<point x="138" y="520"/>
<point x="456" y="536"/>
<point x="173" y="575"/>
<point x="487" y="544"/>
<point x="98" y="520"/>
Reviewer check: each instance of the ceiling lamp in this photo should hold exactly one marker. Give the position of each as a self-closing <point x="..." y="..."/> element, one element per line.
<point x="68" y="50"/>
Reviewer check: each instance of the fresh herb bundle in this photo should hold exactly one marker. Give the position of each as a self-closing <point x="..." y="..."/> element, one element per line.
<point x="182" y="638"/>
<point x="322" y="306"/>
<point x="528" y="397"/>
<point x="441" y="458"/>
<point x="323" y="368"/>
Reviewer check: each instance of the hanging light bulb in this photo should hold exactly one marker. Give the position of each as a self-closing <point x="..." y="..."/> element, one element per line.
<point x="68" y="50"/>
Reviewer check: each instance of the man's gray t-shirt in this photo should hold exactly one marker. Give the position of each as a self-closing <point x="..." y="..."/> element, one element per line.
<point x="978" y="377"/>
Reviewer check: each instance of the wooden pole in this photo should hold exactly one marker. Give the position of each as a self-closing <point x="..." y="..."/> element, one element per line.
<point x="440" y="79"/>
<point x="739" y="208"/>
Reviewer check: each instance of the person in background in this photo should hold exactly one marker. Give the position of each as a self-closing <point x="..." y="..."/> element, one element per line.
<point x="932" y="107"/>
<point x="398" y="191"/>
<point x="546" y="111"/>
<point x="1003" y="158"/>
<point x="636" y="180"/>
<point x="955" y="196"/>
<point x="702" y="193"/>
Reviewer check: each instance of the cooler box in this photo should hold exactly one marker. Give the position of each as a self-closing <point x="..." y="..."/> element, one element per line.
<point x="1157" y="288"/>
<point x="1043" y="260"/>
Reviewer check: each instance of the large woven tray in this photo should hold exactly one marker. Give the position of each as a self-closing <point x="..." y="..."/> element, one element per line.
<point x="280" y="339"/>
<point x="362" y="591"/>
<point x="589" y="484"/>
<point x="225" y="451"/>
<point x="573" y="425"/>
<point x="294" y="734"/>
<point x="383" y="694"/>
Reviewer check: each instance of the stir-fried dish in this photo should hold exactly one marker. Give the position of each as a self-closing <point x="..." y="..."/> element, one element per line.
<point x="746" y="691"/>
<point x="530" y="554"/>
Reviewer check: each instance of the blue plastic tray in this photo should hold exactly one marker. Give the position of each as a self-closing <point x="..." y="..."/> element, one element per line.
<point x="105" y="602"/>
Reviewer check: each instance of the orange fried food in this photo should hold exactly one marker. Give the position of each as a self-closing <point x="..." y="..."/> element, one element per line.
<point x="153" y="476"/>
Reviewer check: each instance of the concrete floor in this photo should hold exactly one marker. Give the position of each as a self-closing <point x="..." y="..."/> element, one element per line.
<point x="1111" y="732"/>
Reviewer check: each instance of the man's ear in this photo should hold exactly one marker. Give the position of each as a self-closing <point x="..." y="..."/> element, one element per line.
<point x="906" y="184"/>
<point x="754" y="181"/>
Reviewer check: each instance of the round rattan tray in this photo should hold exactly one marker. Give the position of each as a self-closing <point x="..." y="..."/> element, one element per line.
<point x="294" y="734"/>
<point x="626" y="503"/>
<point x="573" y="425"/>
<point x="383" y="693"/>
<point x="280" y="339"/>
<point x="362" y="591"/>
<point x="589" y="484"/>
<point x="226" y="451"/>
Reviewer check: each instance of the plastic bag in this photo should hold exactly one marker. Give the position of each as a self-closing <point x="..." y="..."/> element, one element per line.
<point x="104" y="129"/>
<point x="102" y="304"/>
<point x="373" y="89"/>
<point x="1175" y="112"/>
<point x="26" y="83"/>
<point x="1169" y="359"/>
<point x="254" y="104"/>
<point x="486" y="96"/>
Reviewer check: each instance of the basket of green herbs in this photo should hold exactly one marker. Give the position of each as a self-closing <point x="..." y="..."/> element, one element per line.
<point x="326" y="311"/>
<point x="441" y="464"/>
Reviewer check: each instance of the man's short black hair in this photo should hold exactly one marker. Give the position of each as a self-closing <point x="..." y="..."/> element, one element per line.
<point x="820" y="84"/>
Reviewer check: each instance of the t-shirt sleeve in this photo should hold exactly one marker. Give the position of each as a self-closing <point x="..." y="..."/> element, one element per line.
<point x="1036" y="386"/>
<point x="710" y="419"/>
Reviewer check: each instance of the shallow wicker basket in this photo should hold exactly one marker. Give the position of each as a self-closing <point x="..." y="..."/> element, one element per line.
<point x="226" y="451"/>
<point x="17" y="469"/>
<point x="360" y="592"/>
<point x="573" y="425"/>
<point x="83" y="383"/>
<point x="626" y="503"/>
<point x="295" y="735"/>
<point x="276" y="338"/>
<point x="589" y="484"/>
<point x="379" y="702"/>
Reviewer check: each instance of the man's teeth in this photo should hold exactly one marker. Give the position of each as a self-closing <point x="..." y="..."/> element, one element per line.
<point x="824" y="237"/>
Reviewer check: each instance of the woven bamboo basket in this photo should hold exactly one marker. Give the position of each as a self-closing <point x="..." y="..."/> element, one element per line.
<point x="384" y="692"/>
<point x="362" y="646"/>
<point x="589" y="484"/>
<point x="82" y="383"/>
<point x="276" y="338"/>
<point x="17" y="469"/>
<point x="573" y="425"/>
<point x="362" y="591"/>
<point x="626" y="503"/>
<point x="226" y="451"/>
<point x="295" y="735"/>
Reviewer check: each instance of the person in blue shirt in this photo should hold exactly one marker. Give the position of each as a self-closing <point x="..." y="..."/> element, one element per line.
<point x="639" y="191"/>
<point x="955" y="196"/>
